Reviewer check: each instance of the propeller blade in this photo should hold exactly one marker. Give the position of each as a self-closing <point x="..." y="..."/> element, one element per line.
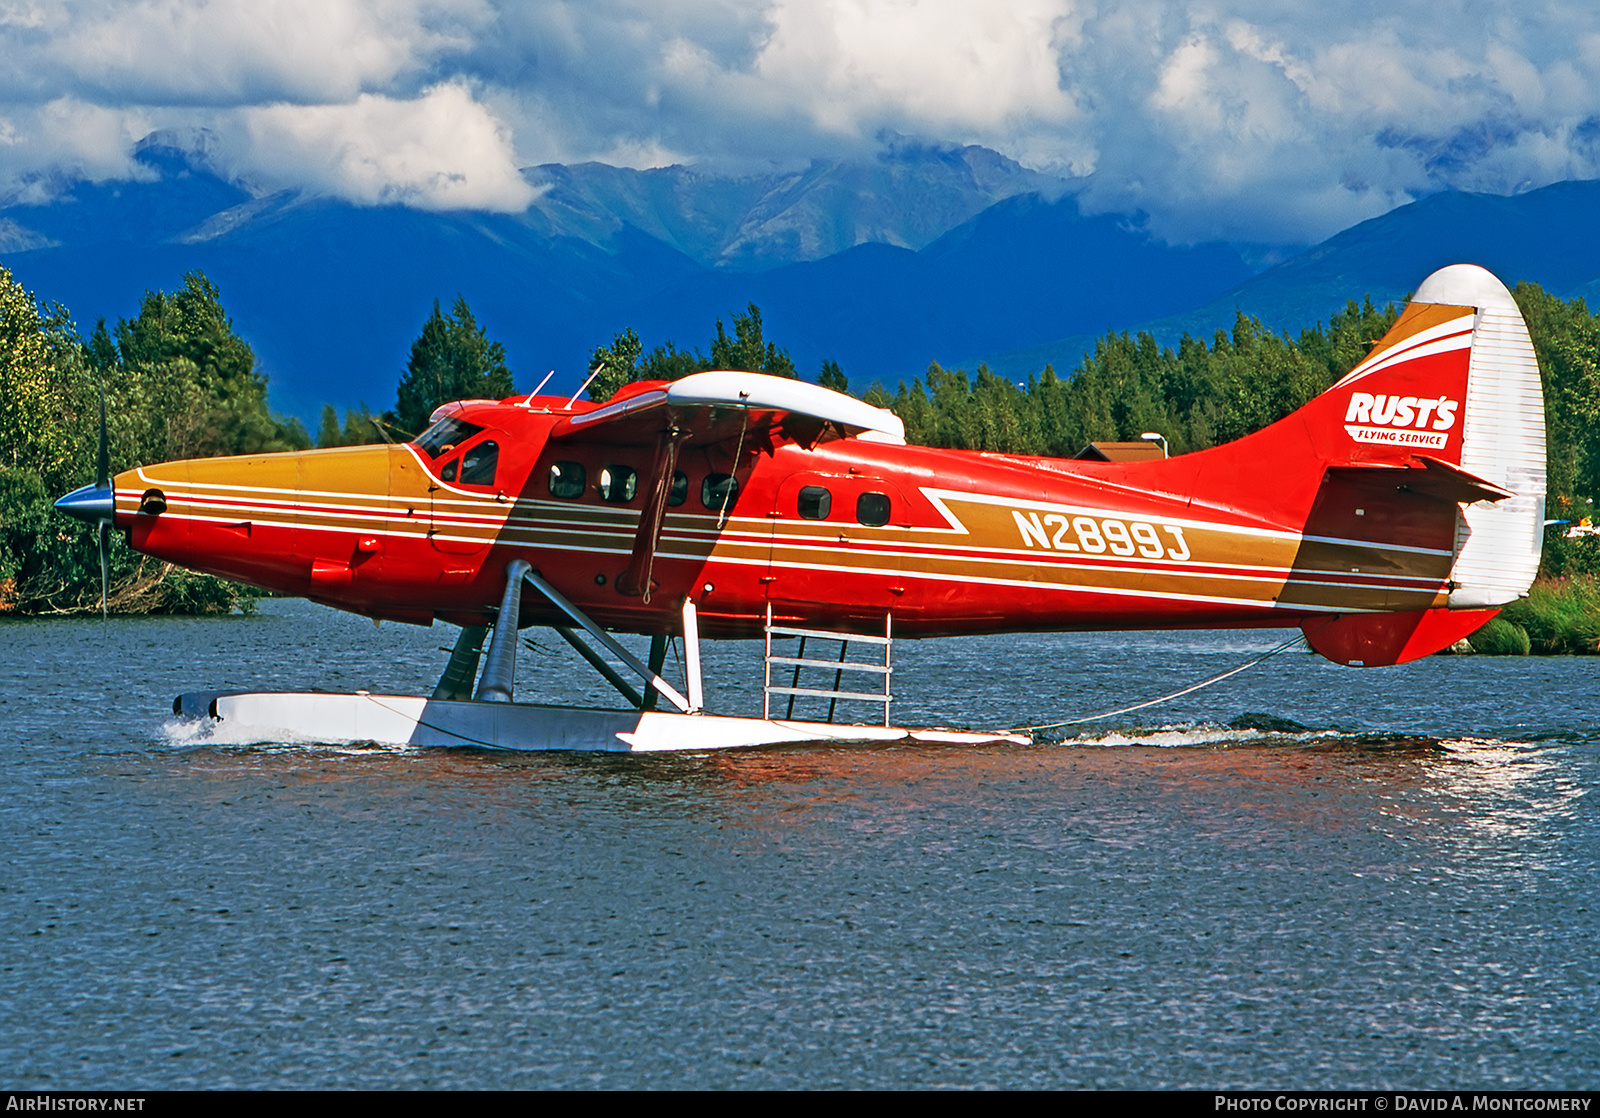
<point x="102" y="480"/>
<point x="102" y="477"/>
<point x="97" y="502"/>
<point x="105" y="567"/>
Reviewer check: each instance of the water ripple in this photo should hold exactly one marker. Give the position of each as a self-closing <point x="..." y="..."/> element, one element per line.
<point x="1396" y="895"/>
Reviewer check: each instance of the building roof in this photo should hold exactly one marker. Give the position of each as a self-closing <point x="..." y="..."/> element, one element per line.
<point x="1140" y="451"/>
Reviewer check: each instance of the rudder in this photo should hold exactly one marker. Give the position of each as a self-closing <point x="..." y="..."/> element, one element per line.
<point x="1498" y="545"/>
<point x="1479" y="443"/>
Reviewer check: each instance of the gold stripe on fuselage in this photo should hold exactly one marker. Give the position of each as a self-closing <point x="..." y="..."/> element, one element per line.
<point x="986" y="539"/>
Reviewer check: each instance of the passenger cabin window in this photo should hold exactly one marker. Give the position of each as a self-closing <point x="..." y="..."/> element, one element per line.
<point x="872" y="509"/>
<point x="567" y="480"/>
<point x="618" y="484"/>
<point x="449" y="472"/>
<point x="679" y="492"/>
<point x="446" y="434"/>
<point x="478" y="464"/>
<point x="718" y="492"/>
<point x="815" y="502"/>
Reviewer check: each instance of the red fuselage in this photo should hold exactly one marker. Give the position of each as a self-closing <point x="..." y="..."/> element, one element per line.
<point x="826" y="529"/>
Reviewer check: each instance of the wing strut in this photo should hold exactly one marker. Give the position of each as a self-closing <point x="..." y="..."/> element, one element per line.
<point x="635" y="580"/>
<point x="598" y="663"/>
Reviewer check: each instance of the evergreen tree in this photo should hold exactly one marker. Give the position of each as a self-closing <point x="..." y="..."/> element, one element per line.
<point x="451" y="359"/>
<point x="833" y="377"/>
<point x="361" y="428"/>
<point x="192" y="378"/>
<point x="328" y="432"/>
<point x="747" y="350"/>
<point x="1198" y="395"/>
<point x="668" y="362"/>
<point x="358" y="429"/>
<point x="617" y="365"/>
<point x="179" y="383"/>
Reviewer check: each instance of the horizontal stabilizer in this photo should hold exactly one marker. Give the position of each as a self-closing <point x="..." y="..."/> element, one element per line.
<point x="1429" y="477"/>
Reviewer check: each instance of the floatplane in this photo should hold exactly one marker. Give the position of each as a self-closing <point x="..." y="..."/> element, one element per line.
<point x="1386" y="519"/>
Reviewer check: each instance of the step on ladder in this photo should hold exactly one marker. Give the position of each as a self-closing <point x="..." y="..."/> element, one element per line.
<point x="799" y="661"/>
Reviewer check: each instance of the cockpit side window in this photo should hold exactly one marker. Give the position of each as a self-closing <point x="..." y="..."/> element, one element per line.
<point x="448" y="432"/>
<point x="618" y="484"/>
<point x="478" y="464"/>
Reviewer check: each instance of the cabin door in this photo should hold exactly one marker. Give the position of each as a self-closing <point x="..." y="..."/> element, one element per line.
<point x="832" y="545"/>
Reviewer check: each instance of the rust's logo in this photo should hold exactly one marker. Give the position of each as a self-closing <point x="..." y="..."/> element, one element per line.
<point x="1400" y="420"/>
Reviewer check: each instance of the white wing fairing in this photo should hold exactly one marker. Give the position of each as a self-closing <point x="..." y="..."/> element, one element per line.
<point x="752" y="392"/>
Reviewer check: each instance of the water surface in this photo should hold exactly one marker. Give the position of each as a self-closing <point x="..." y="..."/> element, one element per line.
<point x="1400" y="896"/>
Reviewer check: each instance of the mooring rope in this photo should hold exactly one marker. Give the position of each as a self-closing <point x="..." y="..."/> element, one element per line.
<point x="733" y="484"/>
<point x="1285" y="646"/>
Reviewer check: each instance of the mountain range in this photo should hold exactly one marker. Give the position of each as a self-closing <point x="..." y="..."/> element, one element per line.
<point x="954" y="254"/>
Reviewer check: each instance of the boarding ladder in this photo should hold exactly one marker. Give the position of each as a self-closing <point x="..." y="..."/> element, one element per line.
<point x="800" y="661"/>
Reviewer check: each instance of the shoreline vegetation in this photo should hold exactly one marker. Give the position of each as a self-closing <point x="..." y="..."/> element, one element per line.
<point x="179" y="382"/>
<point x="1560" y="616"/>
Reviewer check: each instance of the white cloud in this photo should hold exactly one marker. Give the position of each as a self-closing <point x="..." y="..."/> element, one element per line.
<point x="45" y="147"/>
<point x="245" y="51"/>
<point x="1260" y="122"/>
<point x="1250" y="119"/>
<point x="948" y="66"/>
<point x="440" y="151"/>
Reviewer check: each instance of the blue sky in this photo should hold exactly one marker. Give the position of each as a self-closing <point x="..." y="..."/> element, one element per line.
<point x="1254" y="121"/>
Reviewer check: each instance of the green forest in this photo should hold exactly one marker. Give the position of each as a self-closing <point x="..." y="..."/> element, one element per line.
<point x="1202" y="394"/>
<point x="1199" y="394"/>
<point x="180" y="382"/>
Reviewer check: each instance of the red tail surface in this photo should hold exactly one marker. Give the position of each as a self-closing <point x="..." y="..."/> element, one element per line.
<point x="1426" y="461"/>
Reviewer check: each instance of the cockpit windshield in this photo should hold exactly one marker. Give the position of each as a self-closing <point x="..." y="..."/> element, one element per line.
<point x="448" y="432"/>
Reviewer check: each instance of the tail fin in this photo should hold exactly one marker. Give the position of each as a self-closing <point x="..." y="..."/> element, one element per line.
<point x="1450" y="397"/>
<point x="1497" y="545"/>
<point x="1423" y="507"/>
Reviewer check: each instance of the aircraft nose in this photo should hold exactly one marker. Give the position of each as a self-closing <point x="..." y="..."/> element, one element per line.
<point x="91" y="503"/>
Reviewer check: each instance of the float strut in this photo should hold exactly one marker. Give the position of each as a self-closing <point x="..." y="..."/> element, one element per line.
<point x="658" y="660"/>
<point x="456" y="682"/>
<point x="598" y="664"/>
<point x="691" y="657"/>
<point x="557" y="599"/>
<point x="500" y="668"/>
